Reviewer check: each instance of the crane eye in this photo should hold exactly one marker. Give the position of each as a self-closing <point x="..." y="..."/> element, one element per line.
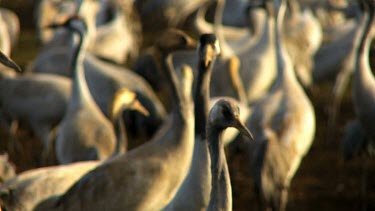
<point x="227" y="113"/>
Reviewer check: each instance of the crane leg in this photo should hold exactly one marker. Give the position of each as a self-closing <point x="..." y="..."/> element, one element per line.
<point x="13" y="144"/>
<point x="283" y="199"/>
<point x="363" y="190"/>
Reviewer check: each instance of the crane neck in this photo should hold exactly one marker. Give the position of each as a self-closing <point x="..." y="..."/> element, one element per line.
<point x="258" y="22"/>
<point x="121" y="136"/>
<point x="202" y="98"/>
<point x="365" y="38"/>
<point x="221" y="188"/>
<point x="262" y="27"/>
<point x="294" y="8"/>
<point x="80" y="50"/>
<point x="165" y="64"/>
<point x="285" y="70"/>
<point x="218" y="29"/>
<point x="80" y="92"/>
<point x="88" y="10"/>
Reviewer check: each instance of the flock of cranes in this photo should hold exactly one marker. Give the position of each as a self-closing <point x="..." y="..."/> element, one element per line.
<point x="95" y="89"/>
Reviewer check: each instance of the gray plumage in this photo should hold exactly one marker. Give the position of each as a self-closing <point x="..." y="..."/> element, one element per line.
<point x="35" y="189"/>
<point x="363" y="89"/>
<point x="197" y="184"/>
<point x="328" y="60"/>
<point x="159" y="15"/>
<point x="199" y="25"/>
<point x="29" y="189"/>
<point x="123" y="100"/>
<point x="303" y="36"/>
<point x="85" y="133"/>
<point x="283" y="124"/>
<point x="116" y="31"/>
<point x="346" y="68"/>
<point x="224" y="114"/>
<point x="147" y="177"/>
<point x="258" y="66"/>
<point x="104" y="80"/>
<point x="39" y="100"/>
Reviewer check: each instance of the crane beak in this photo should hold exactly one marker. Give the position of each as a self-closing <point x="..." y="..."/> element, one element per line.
<point x="208" y="53"/>
<point x="125" y="98"/>
<point x="217" y="47"/>
<point x="4" y="59"/>
<point x="243" y="129"/>
<point x="137" y="106"/>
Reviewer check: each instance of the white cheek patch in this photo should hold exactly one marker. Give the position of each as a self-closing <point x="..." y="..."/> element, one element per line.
<point x="208" y="55"/>
<point x="127" y="97"/>
<point x="217" y="47"/>
<point x="124" y="97"/>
